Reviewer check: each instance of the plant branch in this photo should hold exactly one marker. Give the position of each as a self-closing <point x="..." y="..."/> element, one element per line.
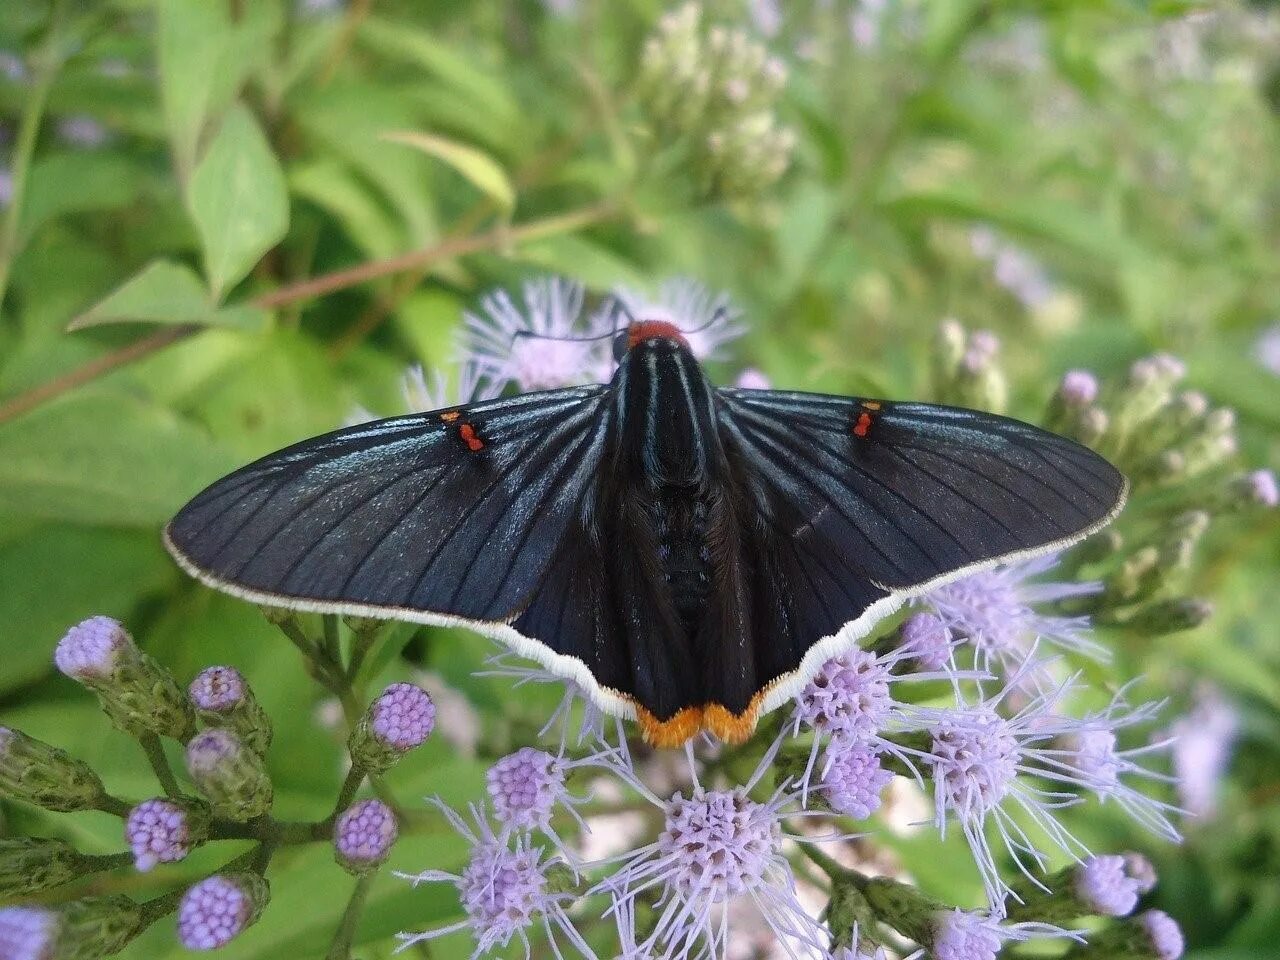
<point x="47" y="69"/>
<point x="340" y="949"/>
<point x="159" y="763"/>
<point x="315" y="287"/>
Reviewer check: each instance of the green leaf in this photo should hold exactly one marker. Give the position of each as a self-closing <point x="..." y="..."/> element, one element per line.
<point x="75" y="573"/>
<point x="168" y="294"/>
<point x="238" y="200"/>
<point x="483" y="172"/>
<point x="192" y="38"/>
<point x="78" y="182"/>
<point x="104" y="457"/>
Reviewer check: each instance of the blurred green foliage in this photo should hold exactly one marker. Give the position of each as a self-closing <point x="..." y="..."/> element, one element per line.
<point x="178" y="172"/>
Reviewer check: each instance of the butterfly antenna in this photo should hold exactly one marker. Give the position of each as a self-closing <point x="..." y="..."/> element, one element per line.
<point x="718" y="315"/>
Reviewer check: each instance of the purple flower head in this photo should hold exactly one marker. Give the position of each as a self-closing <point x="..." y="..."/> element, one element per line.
<point x="1267" y="349"/>
<point x="978" y="757"/>
<point x="752" y="379"/>
<point x="82" y="132"/>
<point x="593" y="725"/>
<point x="708" y="321"/>
<point x="216" y="910"/>
<point x="1258" y="487"/>
<point x="853" y="779"/>
<point x="1163" y="934"/>
<point x="217" y="689"/>
<point x="1141" y="871"/>
<point x="28" y="933"/>
<point x="91" y="650"/>
<point x="540" y="344"/>
<point x="230" y="774"/>
<point x="1079" y="388"/>
<point x="363" y="835"/>
<point x="926" y="639"/>
<point x="423" y="397"/>
<point x="1104" y="886"/>
<point x="403" y="716"/>
<point x="959" y="935"/>
<point x="848" y="696"/>
<point x="210" y="750"/>
<point x="504" y="889"/>
<point x="714" y="847"/>
<point x="525" y="787"/>
<point x="161" y="831"/>
<point x="994" y="610"/>
<point x="1202" y="745"/>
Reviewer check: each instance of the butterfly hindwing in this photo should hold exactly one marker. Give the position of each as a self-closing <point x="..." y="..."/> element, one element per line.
<point x="456" y="512"/>
<point x="912" y="492"/>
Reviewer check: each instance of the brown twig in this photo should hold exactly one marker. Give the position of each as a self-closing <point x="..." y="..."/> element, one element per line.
<point x="309" y="289"/>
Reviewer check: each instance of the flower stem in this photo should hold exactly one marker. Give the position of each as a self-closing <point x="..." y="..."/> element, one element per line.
<point x="113" y="805"/>
<point x="159" y="763"/>
<point x="340" y="949"/>
<point x="332" y="647"/>
<point x="50" y="63"/>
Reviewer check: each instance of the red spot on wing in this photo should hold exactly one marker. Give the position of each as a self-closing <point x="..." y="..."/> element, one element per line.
<point x="863" y="426"/>
<point x="468" y="434"/>
<point x="654" y="329"/>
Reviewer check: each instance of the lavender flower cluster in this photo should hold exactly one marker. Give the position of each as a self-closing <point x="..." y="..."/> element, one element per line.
<point x="972" y="706"/>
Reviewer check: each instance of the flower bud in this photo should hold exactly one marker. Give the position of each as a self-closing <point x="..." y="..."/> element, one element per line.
<point x="222" y="698"/>
<point x="1141" y="871"/>
<point x="216" y="910"/>
<point x="232" y="776"/>
<point x="1251" y="490"/>
<point x="1152" y="935"/>
<point x="1090" y="427"/>
<point x="401" y="718"/>
<point x="164" y="830"/>
<point x="948" y="349"/>
<point x="1172" y="616"/>
<point x="28" y="865"/>
<point x="1136" y="578"/>
<point x="83" y="929"/>
<point x="979" y="381"/>
<point x="363" y="836"/>
<point x="927" y="639"/>
<point x="35" y="772"/>
<point x="1103" y="886"/>
<point x="1077" y="391"/>
<point x="136" y="692"/>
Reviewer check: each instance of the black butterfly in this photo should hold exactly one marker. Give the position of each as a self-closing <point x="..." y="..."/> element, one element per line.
<point x="688" y="555"/>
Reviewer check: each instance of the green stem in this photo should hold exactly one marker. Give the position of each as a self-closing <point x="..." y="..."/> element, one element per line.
<point x="113" y="805"/>
<point x="829" y="866"/>
<point x="340" y="949"/>
<point x="332" y="648"/>
<point x="50" y="63"/>
<point x="159" y="763"/>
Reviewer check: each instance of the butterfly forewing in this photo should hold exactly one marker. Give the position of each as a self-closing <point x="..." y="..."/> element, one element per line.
<point x="457" y="511"/>
<point x="909" y="492"/>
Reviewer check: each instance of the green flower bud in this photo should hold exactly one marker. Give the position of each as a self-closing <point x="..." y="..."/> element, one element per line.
<point x="1171" y="616"/>
<point x="86" y="929"/>
<point x="904" y="908"/>
<point x="1133" y="580"/>
<point x="850" y="916"/>
<point x="948" y="349"/>
<point x="136" y="692"/>
<point x="35" y="772"/>
<point x="1090" y="427"/>
<point x="222" y="698"/>
<point x="230" y="774"/>
<point x="28" y="864"/>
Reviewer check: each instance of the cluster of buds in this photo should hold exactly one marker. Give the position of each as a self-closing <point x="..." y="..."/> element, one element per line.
<point x="966" y="368"/>
<point x="715" y="89"/>
<point x="226" y="733"/>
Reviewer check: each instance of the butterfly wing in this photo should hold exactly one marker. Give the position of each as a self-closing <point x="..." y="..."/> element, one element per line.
<point x="857" y="504"/>
<point x="451" y="514"/>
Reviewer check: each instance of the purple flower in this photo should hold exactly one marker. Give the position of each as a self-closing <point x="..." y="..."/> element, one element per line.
<point x="994" y="611"/>
<point x="163" y="831"/>
<point x="1079" y="388"/>
<point x="715" y="846"/>
<point x="92" y="650"/>
<point x="403" y="716"/>
<point x="1141" y="871"/>
<point x="525" y="786"/>
<point x="1202" y="746"/>
<point x="853" y="779"/>
<point x="1163" y="934"/>
<point x="217" y="689"/>
<point x="752" y="379"/>
<point x="505" y="890"/>
<point x="1105" y="887"/>
<point x="363" y="835"/>
<point x="959" y="935"/>
<point x="540" y="344"/>
<point x="926" y="639"/>
<point x="708" y="321"/>
<point x="1267" y="349"/>
<point x="423" y="397"/>
<point x="593" y="725"/>
<point x="28" y="933"/>
<point x="1257" y="488"/>
<point x="216" y="910"/>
